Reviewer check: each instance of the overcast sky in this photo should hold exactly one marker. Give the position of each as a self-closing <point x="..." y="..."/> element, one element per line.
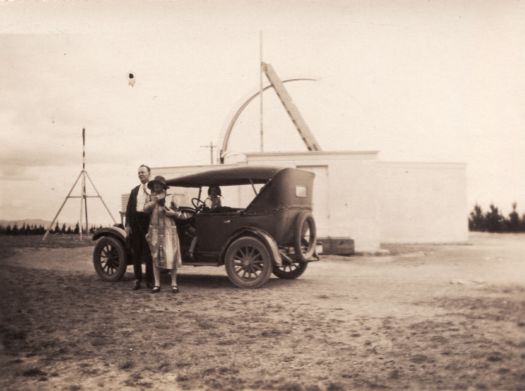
<point x="415" y="80"/>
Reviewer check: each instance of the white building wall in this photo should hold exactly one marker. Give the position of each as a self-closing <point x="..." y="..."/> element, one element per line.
<point x="349" y="192"/>
<point x="422" y="202"/>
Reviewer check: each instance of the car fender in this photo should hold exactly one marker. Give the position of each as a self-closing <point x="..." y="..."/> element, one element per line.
<point x="264" y="236"/>
<point x="116" y="232"/>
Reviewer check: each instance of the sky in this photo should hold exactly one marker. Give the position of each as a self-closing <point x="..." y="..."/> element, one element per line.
<point x="414" y="80"/>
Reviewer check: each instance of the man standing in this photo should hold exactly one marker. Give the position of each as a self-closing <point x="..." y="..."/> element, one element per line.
<point x="137" y="223"/>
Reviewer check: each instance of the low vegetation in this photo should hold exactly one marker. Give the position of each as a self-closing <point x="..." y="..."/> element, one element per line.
<point x="33" y="229"/>
<point x="494" y="221"/>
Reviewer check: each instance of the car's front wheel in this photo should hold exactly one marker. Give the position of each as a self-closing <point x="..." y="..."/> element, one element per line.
<point x="109" y="259"/>
<point x="248" y="262"/>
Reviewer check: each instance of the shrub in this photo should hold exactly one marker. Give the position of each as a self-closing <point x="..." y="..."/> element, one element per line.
<point x="494" y="221"/>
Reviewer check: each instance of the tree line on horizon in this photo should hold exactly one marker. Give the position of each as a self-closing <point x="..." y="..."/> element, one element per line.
<point x="494" y="221"/>
<point x="490" y="221"/>
<point x="33" y="229"/>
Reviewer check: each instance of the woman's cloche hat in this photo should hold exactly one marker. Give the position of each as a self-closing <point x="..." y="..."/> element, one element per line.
<point x="158" y="179"/>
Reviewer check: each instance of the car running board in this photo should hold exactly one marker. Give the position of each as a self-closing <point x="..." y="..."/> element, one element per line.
<point x="291" y="261"/>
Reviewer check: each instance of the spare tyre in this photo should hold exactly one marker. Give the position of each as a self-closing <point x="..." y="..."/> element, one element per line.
<point x="305" y="236"/>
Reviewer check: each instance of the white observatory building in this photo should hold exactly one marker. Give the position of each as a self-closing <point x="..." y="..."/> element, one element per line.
<point x="359" y="201"/>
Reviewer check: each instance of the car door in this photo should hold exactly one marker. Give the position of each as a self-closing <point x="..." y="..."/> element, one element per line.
<point x="213" y="230"/>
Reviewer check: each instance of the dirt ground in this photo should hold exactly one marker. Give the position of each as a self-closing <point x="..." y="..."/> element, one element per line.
<point x="422" y="318"/>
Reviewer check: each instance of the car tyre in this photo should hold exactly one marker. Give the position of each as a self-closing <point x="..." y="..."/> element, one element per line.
<point x="290" y="271"/>
<point x="305" y="237"/>
<point x="248" y="262"/>
<point x="109" y="259"/>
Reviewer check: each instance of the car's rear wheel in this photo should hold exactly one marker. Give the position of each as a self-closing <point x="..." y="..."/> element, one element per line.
<point x="248" y="263"/>
<point x="109" y="259"/>
<point x="291" y="270"/>
<point x="305" y="237"/>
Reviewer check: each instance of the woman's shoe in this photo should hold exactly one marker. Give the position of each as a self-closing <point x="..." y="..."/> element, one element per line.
<point x="175" y="289"/>
<point x="156" y="289"/>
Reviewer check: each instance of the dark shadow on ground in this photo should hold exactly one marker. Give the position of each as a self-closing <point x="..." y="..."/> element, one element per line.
<point x="210" y="281"/>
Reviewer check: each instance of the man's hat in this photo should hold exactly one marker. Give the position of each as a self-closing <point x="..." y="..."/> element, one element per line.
<point x="159" y="179"/>
<point x="217" y="190"/>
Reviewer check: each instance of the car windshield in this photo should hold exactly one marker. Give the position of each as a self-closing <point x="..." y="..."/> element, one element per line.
<point x="183" y="195"/>
<point x="238" y="196"/>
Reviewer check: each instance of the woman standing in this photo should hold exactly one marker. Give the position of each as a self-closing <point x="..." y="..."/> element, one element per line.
<point x="162" y="236"/>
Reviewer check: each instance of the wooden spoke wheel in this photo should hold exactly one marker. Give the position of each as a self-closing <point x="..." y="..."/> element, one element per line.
<point x="290" y="271"/>
<point x="109" y="259"/>
<point x="248" y="263"/>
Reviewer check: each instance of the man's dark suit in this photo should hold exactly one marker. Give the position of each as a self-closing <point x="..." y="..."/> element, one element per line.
<point x="139" y="223"/>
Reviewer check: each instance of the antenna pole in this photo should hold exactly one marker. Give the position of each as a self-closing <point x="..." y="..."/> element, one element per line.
<point x="84" y="193"/>
<point x="82" y="184"/>
<point x="83" y="196"/>
<point x="83" y="149"/>
<point x="261" y="89"/>
<point x="212" y="147"/>
<point x="81" y="223"/>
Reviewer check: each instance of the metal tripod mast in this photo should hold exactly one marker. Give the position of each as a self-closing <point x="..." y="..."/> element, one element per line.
<point x="83" y="195"/>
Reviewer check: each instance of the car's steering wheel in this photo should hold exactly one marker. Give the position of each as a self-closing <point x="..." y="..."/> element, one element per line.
<point x="198" y="204"/>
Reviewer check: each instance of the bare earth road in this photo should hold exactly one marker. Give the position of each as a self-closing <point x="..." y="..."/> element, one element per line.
<point x="425" y="317"/>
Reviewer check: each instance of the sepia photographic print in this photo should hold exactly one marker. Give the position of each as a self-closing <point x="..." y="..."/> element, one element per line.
<point x="286" y="195"/>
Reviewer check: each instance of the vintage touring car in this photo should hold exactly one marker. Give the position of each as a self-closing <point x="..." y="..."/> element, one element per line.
<point x="275" y="232"/>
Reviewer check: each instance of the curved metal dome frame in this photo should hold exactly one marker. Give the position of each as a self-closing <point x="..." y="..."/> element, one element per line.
<point x="229" y="129"/>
